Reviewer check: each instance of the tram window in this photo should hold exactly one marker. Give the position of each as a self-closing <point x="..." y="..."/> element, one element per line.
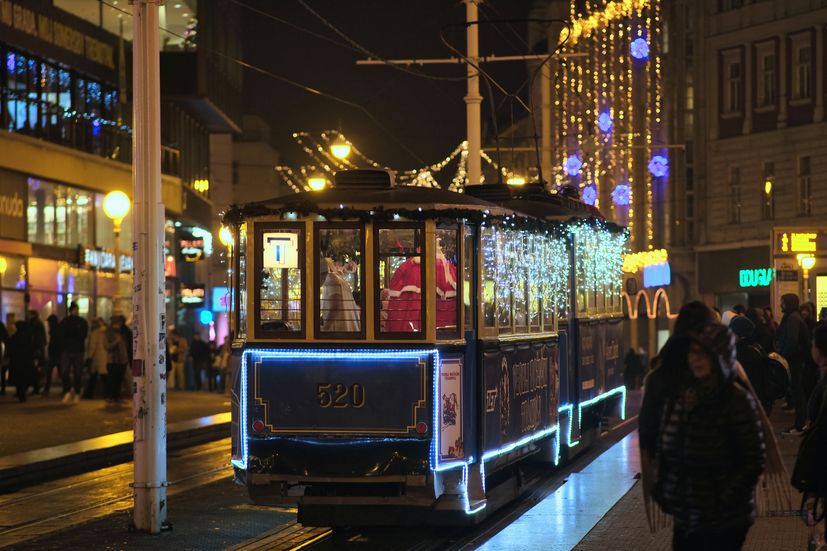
<point x="534" y="308"/>
<point x="340" y="254"/>
<point x="242" y="282"/>
<point x="489" y="277"/>
<point x="447" y="306"/>
<point x="399" y="280"/>
<point x="548" y="311"/>
<point x="280" y="279"/>
<point x="469" y="252"/>
<point x="521" y="306"/>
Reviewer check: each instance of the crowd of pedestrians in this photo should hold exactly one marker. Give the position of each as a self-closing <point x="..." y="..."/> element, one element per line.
<point x="91" y="357"/>
<point x="709" y="457"/>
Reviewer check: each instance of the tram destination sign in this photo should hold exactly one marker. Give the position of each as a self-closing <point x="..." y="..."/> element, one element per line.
<point x="316" y="393"/>
<point x="521" y="391"/>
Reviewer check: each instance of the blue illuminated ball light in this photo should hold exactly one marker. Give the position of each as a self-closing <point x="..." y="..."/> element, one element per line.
<point x="621" y="195"/>
<point x="640" y="49"/>
<point x="659" y="166"/>
<point x="604" y="122"/>
<point x="572" y="165"/>
<point x="589" y="194"/>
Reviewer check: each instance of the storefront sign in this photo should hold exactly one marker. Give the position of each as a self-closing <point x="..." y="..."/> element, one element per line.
<point x="634" y="262"/>
<point x="451" y="443"/>
<point x="281" y="250"/>
<point x="191" y="249"/>
<point x="13" y="193"/>
<point x="193" y="295"/>
<point x="757" y="277"/>
<point x="657" y="275"/>
<point x="57" y="33"/>
<point x="103" y="259"/>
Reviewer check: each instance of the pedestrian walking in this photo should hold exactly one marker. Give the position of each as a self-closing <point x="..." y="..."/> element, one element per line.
<point x="4" y="362"/>
<point x="201" y="361"/>
<point x="73" y="331"/>
<point x="710" y="453"/>
<point x="53" y="360"/>
<point x="794" y="345"/>
<point x="763" y="334"/>
<point x="177" y="346"/>
<point x="4" y="345"/>
<point x="96" y="356"/>
<point x="753" y="358"/>
<point x="22" y="373"/>
<point x="809" y="474"/>
<point x="117" y="358"/>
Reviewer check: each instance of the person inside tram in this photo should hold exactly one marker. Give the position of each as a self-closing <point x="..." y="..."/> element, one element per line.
<point x="446" y="290"/>
<point x="339" y="310"/>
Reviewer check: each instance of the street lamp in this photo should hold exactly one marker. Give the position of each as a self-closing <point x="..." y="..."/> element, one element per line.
<point x="225" y="236"/>
<point x="116" y="207"/>
<point x="340" y="148"/>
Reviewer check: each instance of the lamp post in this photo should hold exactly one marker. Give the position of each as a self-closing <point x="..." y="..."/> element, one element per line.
<point x="116" y="207"/>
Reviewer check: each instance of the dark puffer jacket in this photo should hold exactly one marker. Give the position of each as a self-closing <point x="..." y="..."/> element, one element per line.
<point x="710" y="454"/>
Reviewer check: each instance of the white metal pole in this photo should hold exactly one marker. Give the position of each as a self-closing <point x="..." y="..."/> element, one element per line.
<point x="473" y="98"/>
<point x="149" y="325"/>
<point x="545" y="137"/>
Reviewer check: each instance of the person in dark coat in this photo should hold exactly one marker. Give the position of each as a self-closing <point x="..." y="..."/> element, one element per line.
<point x="817" y="410"/>
<point x="40" y="342"/>
<point x="4" y="345"/>
<point x="22" y="370"/>
<point x="753" y="358"/>
<point x="763" y="333"/>
<point x="201" y="359"/>
<point x="794" y="345"/>
<point x="73" y="331"/>
<point x="711" y="450"/>
<point x="53" y="351"/>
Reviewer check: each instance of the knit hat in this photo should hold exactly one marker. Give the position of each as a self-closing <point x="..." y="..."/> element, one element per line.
<point x="742" y="326"/>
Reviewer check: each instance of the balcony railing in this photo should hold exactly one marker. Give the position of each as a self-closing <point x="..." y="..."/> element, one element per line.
<point x="82" y="131"/>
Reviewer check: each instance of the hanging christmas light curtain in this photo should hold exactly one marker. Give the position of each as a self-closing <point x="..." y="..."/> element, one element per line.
<point x="610" y="110"/>
<point x="598" y="256"/>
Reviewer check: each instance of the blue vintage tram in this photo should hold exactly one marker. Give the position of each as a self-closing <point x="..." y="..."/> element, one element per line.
<point x="399" y="351"/>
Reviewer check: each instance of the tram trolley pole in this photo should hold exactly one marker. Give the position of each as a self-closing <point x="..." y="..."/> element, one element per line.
<point x="149" y="325"/>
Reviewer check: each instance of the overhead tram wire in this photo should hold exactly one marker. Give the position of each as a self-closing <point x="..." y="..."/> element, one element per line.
<point x="371" y="54"/>
<point x="295" y="84"/>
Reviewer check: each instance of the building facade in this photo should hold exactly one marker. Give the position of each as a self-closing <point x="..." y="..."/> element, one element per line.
<point x="749" y="80"/>
<point x="65" y="142"/>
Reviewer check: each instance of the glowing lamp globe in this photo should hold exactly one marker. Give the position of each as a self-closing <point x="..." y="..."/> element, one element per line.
<point x="340" y="148"/>
<point x="316" y="183"/>
<point x="225" y="236"/>
<point x="116" y="206"/>
<point x="621" y="195"/>
<point x="659" y="166"/>
<point x="640" y="49"/>
<point x="4" y="265"/>
<point x="572" y="165"/>
<point x="768" y="186"/>
<point x="589" y="195"/>
<point x="515" y="180"/>
<point x="604" y="121"/>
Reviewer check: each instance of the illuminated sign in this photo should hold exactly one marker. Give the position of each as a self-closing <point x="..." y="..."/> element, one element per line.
<point x="169" y="266"/>
<point x="757" y="277"/>
<point x="634" y="262"/>
<point x="803" y="241"/>
<point x="657" y="275"/>
<point x="220" y="299"/>
<point x="281" y="250"/>
<point x="193" y="295"/>
<point x="191" y="249"/>
<point x="104" y="260"/>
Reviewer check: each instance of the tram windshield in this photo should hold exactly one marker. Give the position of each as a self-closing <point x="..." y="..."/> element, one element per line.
<point x="341" y="309"/>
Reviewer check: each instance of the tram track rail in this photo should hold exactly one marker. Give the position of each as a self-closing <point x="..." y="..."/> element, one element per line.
<point x="69" y="502"/>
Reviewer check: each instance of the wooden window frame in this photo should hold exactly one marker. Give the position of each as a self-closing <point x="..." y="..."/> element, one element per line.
<point x="377" y="302"/>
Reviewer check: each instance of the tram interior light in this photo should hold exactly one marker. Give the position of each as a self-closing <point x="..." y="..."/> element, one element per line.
<point x="317" y="183"/>
<point x="340" y="148"/>
<point x="515" y="180"/>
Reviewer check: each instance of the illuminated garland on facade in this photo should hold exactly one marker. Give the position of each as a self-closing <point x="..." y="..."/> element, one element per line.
<point x="610" y="111"/>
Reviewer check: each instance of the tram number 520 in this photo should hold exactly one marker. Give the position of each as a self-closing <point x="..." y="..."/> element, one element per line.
<point x="337" y="395"/>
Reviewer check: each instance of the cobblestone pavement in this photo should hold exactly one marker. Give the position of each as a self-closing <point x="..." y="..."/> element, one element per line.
<point x="45" y="422"/>
<point x="624" y="526"/>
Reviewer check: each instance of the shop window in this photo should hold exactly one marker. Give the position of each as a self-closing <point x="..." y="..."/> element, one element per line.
<point x="12" y="272"/>
<point x="280" y="280"/>
<point x="399" y="277"/>
<point x="447" y="300"/>
<point x="468" y="283"/>
<point x="340" y="280"/>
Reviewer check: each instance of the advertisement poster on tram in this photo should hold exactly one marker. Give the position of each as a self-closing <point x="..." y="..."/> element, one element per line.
<point x="522" y="385"/>
<point x="450" y="389"/>
<point x="587" y="357"/>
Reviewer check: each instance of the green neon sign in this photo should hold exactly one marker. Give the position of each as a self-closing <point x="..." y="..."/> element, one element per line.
<point x="756" y="277"/>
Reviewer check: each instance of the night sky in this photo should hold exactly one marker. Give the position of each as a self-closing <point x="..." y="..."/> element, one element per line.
<point x="427" y="116"/>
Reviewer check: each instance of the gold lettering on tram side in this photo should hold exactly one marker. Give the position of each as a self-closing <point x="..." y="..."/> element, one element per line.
<point x="340" y="396"/>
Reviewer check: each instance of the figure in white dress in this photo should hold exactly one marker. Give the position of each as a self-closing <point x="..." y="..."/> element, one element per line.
<point x="340" y="313"/>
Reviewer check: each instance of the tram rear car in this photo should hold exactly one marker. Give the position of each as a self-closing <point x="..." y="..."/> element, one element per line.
<point x="398" y="350"/>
